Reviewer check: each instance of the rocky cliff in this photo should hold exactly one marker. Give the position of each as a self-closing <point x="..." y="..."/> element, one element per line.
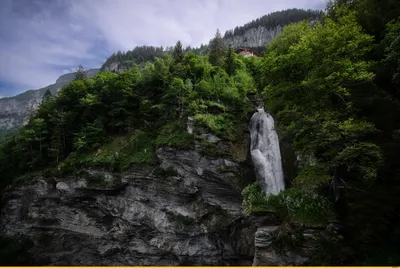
<point x="15" y="111"/>
<point x="254" y="37"/>
<point x="186" y="211"/>
<point x="193" y="217"/>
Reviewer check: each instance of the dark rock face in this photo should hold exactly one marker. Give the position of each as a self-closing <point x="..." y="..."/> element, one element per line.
<point x="194" y="218"/>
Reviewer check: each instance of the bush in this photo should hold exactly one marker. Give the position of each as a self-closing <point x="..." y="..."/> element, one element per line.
<point x="122" y="152"/>
<point x="286" y="240"/>
<point x="301" y="206"/>
<point x="220" y="124"/>
<point x="172" y="135"/>
<point x="293" y="204"/>
<point x="254" y="199"/>
<point x="312" y="176"/>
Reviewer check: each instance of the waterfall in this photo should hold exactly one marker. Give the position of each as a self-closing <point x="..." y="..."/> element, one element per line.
<point x="265" y="152"/>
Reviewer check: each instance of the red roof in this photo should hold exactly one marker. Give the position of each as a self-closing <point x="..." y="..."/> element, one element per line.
<point x="246" y="50"/>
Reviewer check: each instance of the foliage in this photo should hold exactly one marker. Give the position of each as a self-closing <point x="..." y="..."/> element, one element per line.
<point x="117" y="121"/>
<point x="178" y="52"/>
<point x="391" y="59"/>
<point x="254" y="198"/>
<point x="294" y="204"/>
<point x="80" y="73"/>
<point x="282" y="241"/>
<point x="121" y="153"/>
<point x="302" y="206"/>
<point x="218" y="50"/>
<point x="322" y="92"/>
<point x="218" y="124"/>
<point x="312" y="176"/>
<point x="173" y="135"/>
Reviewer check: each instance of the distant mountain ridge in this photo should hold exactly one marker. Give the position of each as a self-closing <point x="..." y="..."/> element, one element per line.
<point x="15" y="111"/>
<point x="254" y="35"/>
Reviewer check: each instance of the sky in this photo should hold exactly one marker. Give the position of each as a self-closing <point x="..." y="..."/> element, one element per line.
<point x="43" y="39"/>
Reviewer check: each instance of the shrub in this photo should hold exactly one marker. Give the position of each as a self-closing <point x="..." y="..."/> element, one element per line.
<point x="302" y="206"/>
<point x="312" y="176"/>
<point x="220" y="124"/>
<point x="254" y="199"/>
<point x="172" y="135"/>
<point x="293" y="204"/>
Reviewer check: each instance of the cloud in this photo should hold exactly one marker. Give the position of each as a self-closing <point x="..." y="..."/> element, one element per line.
<point x="42" y="39"/>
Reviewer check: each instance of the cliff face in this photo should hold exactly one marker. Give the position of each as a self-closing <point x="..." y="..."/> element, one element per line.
<point x="193" y="217"/>
<point x="189" y="214"/>
<point x="15" y="111"/>
<point x="254" y="37"/>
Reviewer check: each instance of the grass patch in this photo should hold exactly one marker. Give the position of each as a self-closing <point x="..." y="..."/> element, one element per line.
<point x="254" y="199"/>
<point x="294" y="204"/>
<point x="174" y="136"/>
<point x="120" y="154"/>
<point x="221" y="124"/>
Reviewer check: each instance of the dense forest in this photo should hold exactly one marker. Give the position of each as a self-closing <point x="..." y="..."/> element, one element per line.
<point x="142" y="54"/>
<point x="333" y="88"/>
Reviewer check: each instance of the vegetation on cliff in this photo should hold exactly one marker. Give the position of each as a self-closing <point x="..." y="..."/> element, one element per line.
<point x="118" y="120"/>
<point x="333" y="88"/>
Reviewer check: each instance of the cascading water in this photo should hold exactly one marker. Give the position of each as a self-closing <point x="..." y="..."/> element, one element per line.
<point x="265" y="152"/>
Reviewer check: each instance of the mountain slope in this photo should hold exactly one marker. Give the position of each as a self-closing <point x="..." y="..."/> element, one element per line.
<point x="15" y="111"/>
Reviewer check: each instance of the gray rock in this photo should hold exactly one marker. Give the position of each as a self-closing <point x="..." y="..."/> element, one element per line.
<point x="194" y="218"/>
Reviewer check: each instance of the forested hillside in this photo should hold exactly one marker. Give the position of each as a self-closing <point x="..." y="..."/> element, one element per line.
<point x="255" y="34"/>
<point x="151" y="106"/>
<point x="332" y="86"/>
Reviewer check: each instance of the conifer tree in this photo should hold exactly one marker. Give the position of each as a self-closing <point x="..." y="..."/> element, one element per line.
<point x="47" y="95"/>
<point x="178" y="52"/>
<point x="80" y="73"/>
<point x="218" y="50"/>
<point x="230" y="62"/>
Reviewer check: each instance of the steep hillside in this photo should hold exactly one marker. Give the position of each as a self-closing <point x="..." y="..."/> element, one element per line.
<point x="15" y="111"/>
<point x="219" y="159"/>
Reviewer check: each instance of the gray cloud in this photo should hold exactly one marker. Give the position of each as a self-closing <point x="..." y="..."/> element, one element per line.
<point x="41" y="39"/>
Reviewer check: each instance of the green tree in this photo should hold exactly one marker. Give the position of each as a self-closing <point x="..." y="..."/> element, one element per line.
<point x="231" y="64"/>
<point x="314" y="102"/>
<point x="218" y="50"/>
<point x="80" y="73"/>
<point x="391" y="60"/>
<point x="47" y="95"/>
<point x="178" y="52"/>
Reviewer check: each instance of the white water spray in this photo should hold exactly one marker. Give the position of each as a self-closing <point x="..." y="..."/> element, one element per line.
<point x="265" y="152"/>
